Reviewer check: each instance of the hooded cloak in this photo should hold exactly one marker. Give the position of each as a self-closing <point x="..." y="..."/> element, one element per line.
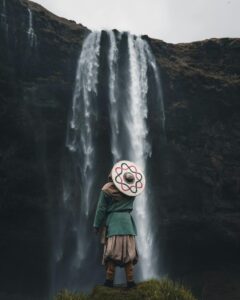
<point x="110" y="190"/>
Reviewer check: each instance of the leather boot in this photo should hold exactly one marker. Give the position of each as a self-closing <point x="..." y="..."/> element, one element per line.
<point x="108" y="283"/>
<point x="110" y="272"/>
<point x="129" y="275"/>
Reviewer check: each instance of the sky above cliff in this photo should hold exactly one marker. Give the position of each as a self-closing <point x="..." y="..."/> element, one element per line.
<point x="170" y="20"/>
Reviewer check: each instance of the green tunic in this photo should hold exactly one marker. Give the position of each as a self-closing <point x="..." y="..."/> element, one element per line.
<point x="115" y="215"/>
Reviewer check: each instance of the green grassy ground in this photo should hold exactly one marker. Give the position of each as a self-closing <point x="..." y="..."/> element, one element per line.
<point x="164" y="289"/>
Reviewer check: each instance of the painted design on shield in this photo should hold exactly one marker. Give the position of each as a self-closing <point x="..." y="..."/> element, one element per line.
<point x="128" y="178"/>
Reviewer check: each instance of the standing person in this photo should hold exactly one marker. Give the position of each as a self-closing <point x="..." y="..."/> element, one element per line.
<point x="113" y="217"/>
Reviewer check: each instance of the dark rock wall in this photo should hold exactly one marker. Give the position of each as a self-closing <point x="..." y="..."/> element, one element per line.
<point x="197" y="169"/>
<point x="35" y="93"/>
<point x="199" y="227"/>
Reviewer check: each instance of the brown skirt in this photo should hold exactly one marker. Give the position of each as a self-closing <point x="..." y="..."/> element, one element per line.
<point x="121" y="249"/>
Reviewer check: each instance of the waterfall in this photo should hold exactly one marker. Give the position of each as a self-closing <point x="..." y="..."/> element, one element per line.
<point x="72" y="243"/>
<point x="159" y="98"/>
<point x="32" y="37"/>
<point x="113" y="111"/>
<point x="140" y="148"/>
<point x="118" y="112"/>
<point x="81" y="139"/>
<point x="135" y="122"/>
<point x="3" y="16"/>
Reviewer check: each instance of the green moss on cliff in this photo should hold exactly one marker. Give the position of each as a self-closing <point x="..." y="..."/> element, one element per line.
<point x="149" y="290"/>
<point x="66" y="295"/>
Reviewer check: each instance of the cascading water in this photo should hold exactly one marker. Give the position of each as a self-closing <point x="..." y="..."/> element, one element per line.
<point x="113" y="111"/>
<point x="32" y="37"/>
<point x="139" y="147"/>
<point x="79" y="176"/>
<point x="113" y="105"/>
<point x="135" y="122"/>
<point x="159" y="97"/>
<point x="81" y="124"/>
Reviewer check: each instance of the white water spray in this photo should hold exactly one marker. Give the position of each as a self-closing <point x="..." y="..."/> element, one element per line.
<point x="135" y="121"/>
<point x="83" y="115"/>
<point x="32" y="37"/>
<point x="140" y="148"/>
<point x="113" y="111"/>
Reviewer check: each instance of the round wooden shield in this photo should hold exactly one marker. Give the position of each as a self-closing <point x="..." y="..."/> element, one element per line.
<point x="128" y="178"/>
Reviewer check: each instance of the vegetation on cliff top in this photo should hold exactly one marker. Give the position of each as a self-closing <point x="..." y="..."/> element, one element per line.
<point x="164" y="289"/>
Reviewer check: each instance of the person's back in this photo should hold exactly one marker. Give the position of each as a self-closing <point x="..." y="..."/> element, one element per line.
<point x="113" y="213"/>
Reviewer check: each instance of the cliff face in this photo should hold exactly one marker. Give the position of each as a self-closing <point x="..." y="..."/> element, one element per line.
<point x="199" y="207"/>
<point x="36" y="85"/>
<point x="197" y="169"/>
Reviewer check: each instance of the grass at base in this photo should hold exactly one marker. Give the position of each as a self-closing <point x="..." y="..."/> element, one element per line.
<point x="164" y="289"/>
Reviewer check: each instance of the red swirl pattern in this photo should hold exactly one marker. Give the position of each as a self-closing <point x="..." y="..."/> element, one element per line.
<point x="124" y="186"/>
